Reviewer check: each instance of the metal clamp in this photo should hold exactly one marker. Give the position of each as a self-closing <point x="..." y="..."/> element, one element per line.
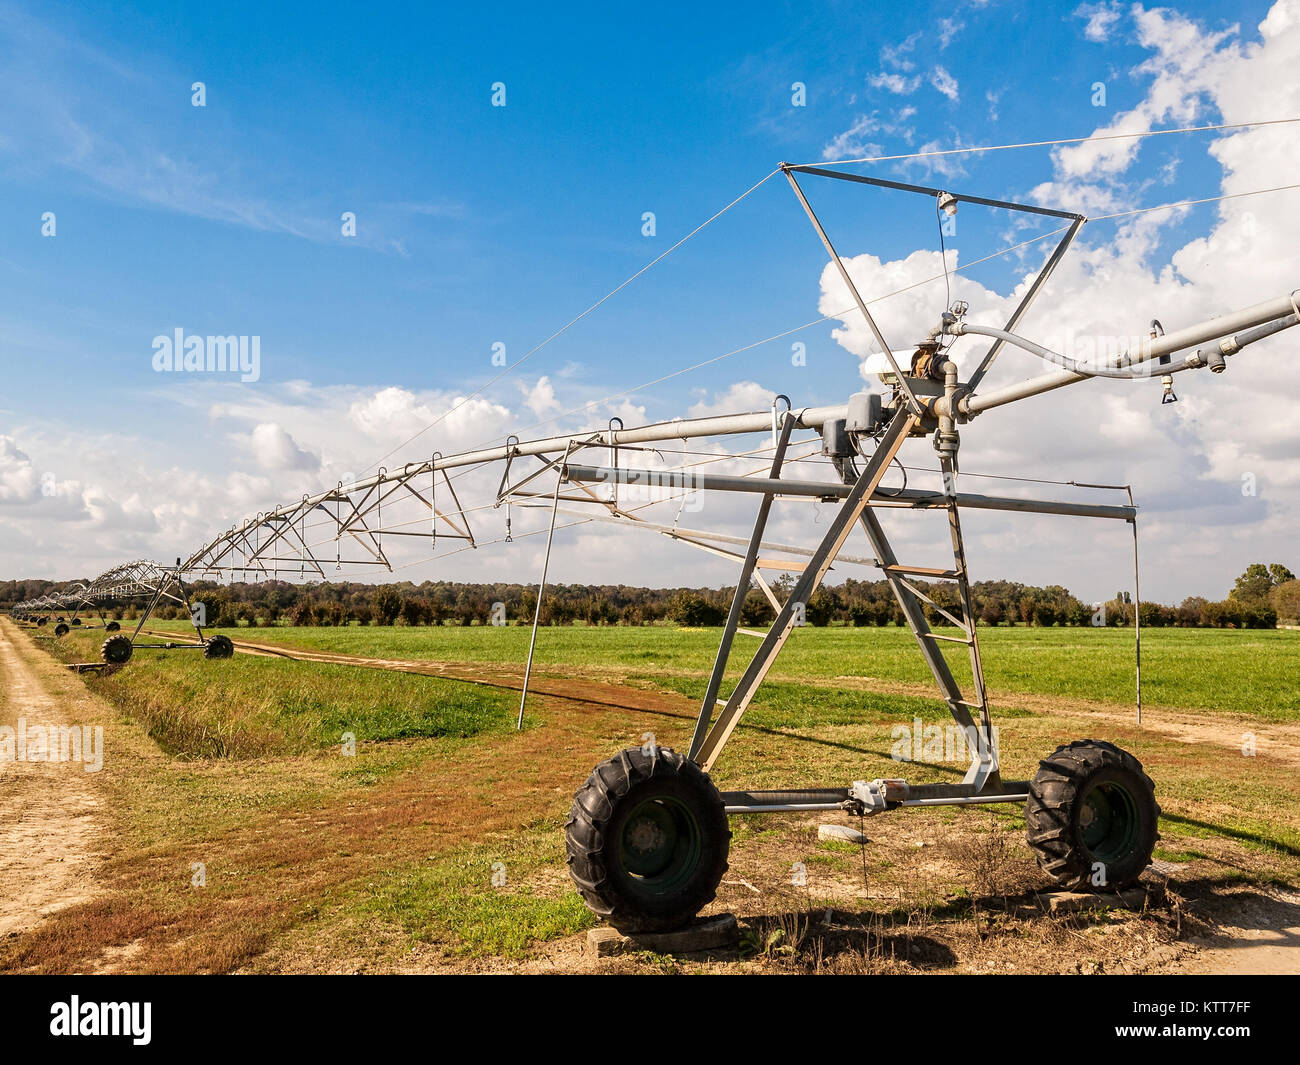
<point x="875" y="796"/>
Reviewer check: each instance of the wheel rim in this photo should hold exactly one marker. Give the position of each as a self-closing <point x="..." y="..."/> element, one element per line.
<point x="1108" y="819"/>
<point x="659" y="846"/>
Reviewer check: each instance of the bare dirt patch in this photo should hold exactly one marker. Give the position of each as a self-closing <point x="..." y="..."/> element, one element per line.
<point x="1259" y="935"/>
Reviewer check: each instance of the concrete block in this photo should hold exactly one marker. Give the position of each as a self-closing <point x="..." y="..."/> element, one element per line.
<point x="1076" y="901"/>
<point x="704" y="933"/>
<point x="841" y="832"/>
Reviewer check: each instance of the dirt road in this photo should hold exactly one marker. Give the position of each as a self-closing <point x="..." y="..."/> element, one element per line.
<point x="1260" y="938"/>
<point x="50" y="812"/>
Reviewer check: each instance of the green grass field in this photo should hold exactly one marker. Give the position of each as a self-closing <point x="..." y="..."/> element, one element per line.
<point x="1251" y="672"/>
<point x="393" y="851"/>
<point x="251" y="706"/>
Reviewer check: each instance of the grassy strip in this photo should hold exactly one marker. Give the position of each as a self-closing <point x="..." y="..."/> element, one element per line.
<point x="250" y="707"/>
<point x="786" y="705"/>
<point x="1249" y="671"/>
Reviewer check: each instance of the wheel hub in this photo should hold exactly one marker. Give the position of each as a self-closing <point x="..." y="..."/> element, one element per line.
<point x="644" y="836"/>
<point x="659" y="844"/>
<point x="1108" y="822"/>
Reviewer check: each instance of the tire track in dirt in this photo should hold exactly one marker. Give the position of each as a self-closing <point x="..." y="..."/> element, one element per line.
<point x="1280" y="740"/>
<point x="490" y="675"/>
<point x="50" y="812"/>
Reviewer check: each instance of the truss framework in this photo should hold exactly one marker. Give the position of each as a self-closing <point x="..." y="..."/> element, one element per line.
<point x="859" y="499"/>
<point x="351" y="518"/>
<point x="139" y="580"/>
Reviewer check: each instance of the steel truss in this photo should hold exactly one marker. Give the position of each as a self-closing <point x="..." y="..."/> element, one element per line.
<point x="917" y="407"/>
<point x="859" y="497"/>
<point x="928" y="400"/>
<point x="352" y="517"/>
<point x="140" y="580"/>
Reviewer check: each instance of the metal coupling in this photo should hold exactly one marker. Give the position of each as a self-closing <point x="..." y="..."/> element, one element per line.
<point x="875" y="796"/>
<point x="947" y="441"/>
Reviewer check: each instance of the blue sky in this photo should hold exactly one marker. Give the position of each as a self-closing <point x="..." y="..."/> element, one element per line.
<point x="479" y="224"/>
<point x="476" y="224"/>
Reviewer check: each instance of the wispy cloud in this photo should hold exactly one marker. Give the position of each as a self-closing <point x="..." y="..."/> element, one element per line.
<point x="993" y="97"/>
<point x="1099" y="19"/>
<point x="944" y="82"/>
<point x="895" y="83"/>
<point x="76" y="111"/>
<point x="899" y="56"/>
<point x="859" y="139"/>
<point x="429" y="208"/>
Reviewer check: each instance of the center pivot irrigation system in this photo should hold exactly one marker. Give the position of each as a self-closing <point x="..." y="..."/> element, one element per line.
<point x="139" y="581"/>
<point x="647" y="836"/>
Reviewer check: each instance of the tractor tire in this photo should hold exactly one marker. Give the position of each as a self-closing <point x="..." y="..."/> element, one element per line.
<point x="116" y="650"/>
<point x="112" y="626"/>
<point x="647" y="840"/>
<point x="218" y="647"/>
<point x="61" y="629"/>
<point x="1091" y="816"/>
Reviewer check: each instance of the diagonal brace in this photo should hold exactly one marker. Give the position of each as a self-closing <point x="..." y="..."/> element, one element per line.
<point x="851" y="509"/>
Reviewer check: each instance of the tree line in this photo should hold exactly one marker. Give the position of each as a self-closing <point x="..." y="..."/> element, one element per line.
<point x="1260" y="597"/>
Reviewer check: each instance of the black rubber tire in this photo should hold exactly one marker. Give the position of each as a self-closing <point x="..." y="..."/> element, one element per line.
<point x="42" y="621"/>
<point x="112" y="626"/>
<point x="61" y="629"/>
<point x="218" y="647"/>
<point x="117" y="650"/>
<point x="75" y="621"/>
<point x="640" y="793"/>
<point x="1068" y="835"/>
